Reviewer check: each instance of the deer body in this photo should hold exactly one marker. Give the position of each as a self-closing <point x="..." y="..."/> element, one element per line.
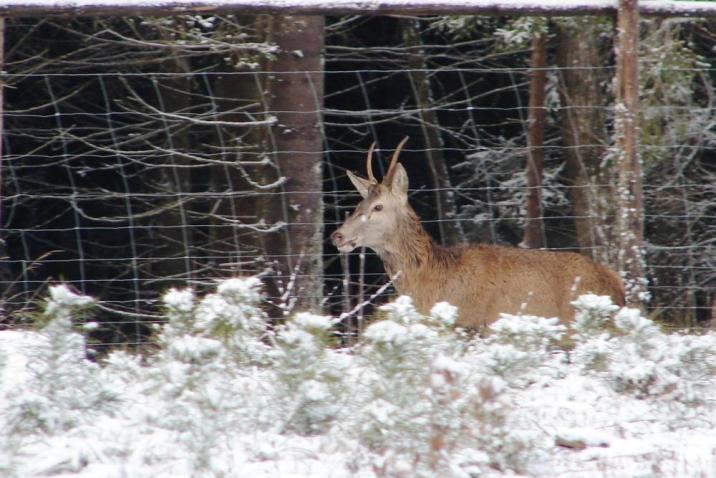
<point x="484" y="280"/>
<point x="481" y="280"/>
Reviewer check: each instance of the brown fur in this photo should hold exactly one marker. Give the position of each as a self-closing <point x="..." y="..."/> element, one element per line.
<point x="481" y="280"/>
<point x="484" y="280"/>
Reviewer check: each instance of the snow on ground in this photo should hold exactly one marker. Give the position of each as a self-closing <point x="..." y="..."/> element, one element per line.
<point x="222" y="397"/>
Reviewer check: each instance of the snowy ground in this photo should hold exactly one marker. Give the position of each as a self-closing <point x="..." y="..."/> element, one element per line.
<point x="414" y="398"/>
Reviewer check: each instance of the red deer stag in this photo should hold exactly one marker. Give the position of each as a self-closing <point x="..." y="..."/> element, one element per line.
<point x="481" y="280"/>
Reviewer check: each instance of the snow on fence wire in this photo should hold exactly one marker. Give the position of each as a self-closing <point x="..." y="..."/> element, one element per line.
<point x="141" y="154"/>
<point x="663" y="8"/>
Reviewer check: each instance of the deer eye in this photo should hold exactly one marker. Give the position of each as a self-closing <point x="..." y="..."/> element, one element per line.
<point x="378" y="207"/>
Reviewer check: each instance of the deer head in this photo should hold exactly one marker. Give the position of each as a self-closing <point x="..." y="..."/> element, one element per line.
<point x="382" y="209"/>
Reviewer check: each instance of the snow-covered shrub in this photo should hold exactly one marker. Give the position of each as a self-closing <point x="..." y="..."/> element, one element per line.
<point x="188" y="356"/>
<point x="64" y="304"/>
<point x="232" y="315"/>
<point x="470" y="430"/>
<point x="310" y="374"/>
<point x="592" y="316"/>
<point x="444" y="315"/>
<point x="518" y="347"/>
<point x="406" y="339"/>
<point x="593" y="313"/>
<point x="651" y="362"/>
<point x="425" y="410"/>
<point x="196" y="378"/>
<point x="639" y="359"/>
<point x="179" y="306"/>
<point x="527" y="332"/>
<point x="398" y="353"/>
<point x="413" y="398"/>
<point x="64" y="389"/>
<point x="234" y="308"/>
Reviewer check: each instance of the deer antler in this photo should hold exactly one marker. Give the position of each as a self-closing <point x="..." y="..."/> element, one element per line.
<point x="369" y="164"/>
<point x="388" y="179"/>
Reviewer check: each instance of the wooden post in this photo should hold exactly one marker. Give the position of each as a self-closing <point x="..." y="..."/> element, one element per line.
<point x="630" y="215"/>
<point x="534" y="237"/>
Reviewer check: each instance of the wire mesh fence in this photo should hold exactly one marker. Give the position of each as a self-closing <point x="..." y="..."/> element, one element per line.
<point x="141" y="154"/>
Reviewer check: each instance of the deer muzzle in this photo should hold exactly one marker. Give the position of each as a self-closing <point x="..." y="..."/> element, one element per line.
<point x="343" y="244"/>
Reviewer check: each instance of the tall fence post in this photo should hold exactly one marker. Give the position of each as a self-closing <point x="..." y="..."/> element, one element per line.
<point x="630" y="214"/>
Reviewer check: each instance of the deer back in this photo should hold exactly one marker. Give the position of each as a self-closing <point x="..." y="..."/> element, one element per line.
<point x="484" y="281"/>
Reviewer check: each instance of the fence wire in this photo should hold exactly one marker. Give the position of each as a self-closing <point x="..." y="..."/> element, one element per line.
<point x="137" y="156"/>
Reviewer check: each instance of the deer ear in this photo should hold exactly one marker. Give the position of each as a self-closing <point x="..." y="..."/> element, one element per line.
<point x="362" y="185"/>
<point x="399" y="185"/>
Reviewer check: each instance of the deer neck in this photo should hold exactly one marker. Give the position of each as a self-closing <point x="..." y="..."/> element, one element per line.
<point x="408" y="250"/>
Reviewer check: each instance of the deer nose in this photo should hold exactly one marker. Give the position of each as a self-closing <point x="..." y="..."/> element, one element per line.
<point x="337" y="237"/>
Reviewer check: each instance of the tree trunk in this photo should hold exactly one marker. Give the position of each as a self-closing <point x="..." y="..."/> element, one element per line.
<point x="534" y="237"/>
<point x="296" y="97"/>
<point x="630" y="220"/>
<point x="584" y="134"/>
<point x="449" y="226"/>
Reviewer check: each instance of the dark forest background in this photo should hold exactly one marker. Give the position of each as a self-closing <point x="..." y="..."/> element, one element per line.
<point x="145" y="153"/>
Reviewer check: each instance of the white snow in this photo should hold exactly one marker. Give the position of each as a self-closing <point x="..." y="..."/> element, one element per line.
<point x="63" y="300"/>
<point x="180" y="300"/>
<point x="224" y="397"/>
<point x="444" y="312"/>
<point x="312" y="321"/>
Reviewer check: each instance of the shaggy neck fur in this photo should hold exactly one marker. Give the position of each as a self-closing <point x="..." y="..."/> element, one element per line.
<point x="410" y="249"/>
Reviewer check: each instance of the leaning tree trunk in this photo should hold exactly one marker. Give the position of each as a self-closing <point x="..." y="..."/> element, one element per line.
<point x="449" y="226"/>
<point x="583" y="124"/>
<point x="296" y="98"/>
